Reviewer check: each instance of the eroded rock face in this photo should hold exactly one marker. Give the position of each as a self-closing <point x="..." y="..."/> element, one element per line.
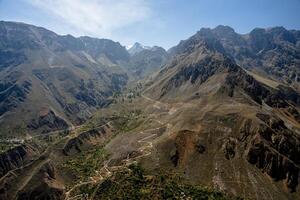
<point x="48" y="121"/>
<point x="147" y="61"/>
<point x="294" y="113"/>
<point x="174" y="156"/>
<point x="12" y="93"/>
<point x="199" y="71"/>
<point x="265" y="142"/>
<point x="87" y="94"/>
<point x="11" y="58"/>
<point x="280" y="98"/>
<point x="185" y="144"/>
<point x="72" y="75"/>
<point x="228" y="147"/>
<point x="200" y="147"/>
<point x="209" y="59"/>
<point x="16" y="157"/>
<point x="273" y="50"/>
<point x="44" y="185"/>
<point x="276" y="150"/>
<point x="88" y="138"/>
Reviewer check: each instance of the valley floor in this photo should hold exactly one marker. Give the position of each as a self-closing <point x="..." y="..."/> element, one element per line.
<point x="162" y="138"/>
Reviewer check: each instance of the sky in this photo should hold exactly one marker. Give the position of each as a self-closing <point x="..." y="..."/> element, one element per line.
<point x="150" y="22"/>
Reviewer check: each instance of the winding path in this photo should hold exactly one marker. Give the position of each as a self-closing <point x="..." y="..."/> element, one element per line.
<point x="107" y="170"/>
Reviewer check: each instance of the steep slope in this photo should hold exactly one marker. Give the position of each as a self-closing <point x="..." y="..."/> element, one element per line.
<point x="273" y="52"/>
<point x="137" y="48"/>
<point x="277" y="51"/>
<point x="147" y="61"/>
<point x="43" y="185"/>
<point x="61" y="77"/>
<point x="229" y="129"/>
<point x="16" y="157"/>
<point x="203" y="119"/>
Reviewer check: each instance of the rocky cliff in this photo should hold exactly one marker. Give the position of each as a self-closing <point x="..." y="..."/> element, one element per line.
<point x="42" y="70"/>
<point x="44" y="185"/>
<point x="88" y="138"/>
<point x="17" y="157"/>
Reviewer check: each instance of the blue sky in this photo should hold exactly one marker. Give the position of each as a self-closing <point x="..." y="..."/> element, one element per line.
<point x="150" y="22"/>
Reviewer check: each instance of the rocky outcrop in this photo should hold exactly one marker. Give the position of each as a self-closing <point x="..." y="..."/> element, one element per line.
<point x="276" y="150"/>
<point x="12" y="93"/>
<point x="86" y="93"/>
<point x="86" y="139"/>
<point x="73" y="76"/>
<point x="200" y="147"/>
<point x="16" y="157"/>
<point x="281" y="97"/>
<point x="185" y="143"/>
<point x="137" y="48"/>
<point x="272" y="50"/>
<point x="275" y="50"/>
<point x="19" y="36"/>
<point x="293" y="112"/>
<point x="205" y="74"/>
<point x="268" y="144"/>
<point x="229" y="148"/>
<point x="174" y="156"/>
<point x="48" y="121"/>
<point x="206" y="61"/>
<point x="118" y="81"/>
<point x="114" y="51"/>
<point x="44" y="185"/>
<point x="147" y="61"/>
<point x="198" y="70"/>
<point x="11" y="58"/>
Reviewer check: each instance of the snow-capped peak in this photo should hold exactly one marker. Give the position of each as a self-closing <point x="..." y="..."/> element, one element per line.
<point x="136" y="48"/>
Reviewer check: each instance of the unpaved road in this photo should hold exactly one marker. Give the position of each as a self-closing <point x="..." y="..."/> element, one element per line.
<point x="36" y="164"/>
<point x="106" y="171"/>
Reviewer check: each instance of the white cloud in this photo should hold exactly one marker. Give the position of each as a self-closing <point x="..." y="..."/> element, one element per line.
<point x="96" y="17"/>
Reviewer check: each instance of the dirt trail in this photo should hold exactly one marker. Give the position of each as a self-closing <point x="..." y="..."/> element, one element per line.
<point x="33" y="168"/>
<point x="43" y="155"/>
<point x="106" y="171"/>
<point x="28" y="176"/>
<point x="55" y="132"/>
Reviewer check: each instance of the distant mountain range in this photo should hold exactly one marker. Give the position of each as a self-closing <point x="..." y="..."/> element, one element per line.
<point x="47" y="78"/>
<point x="273" y="52"/>
<point x="54" y="81"/>
<point x="146" y="60"/>
<point x="136" y="48"/>
<point x="83" y="117"/>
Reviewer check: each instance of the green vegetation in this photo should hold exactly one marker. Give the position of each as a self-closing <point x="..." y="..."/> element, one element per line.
<point x="5" y="146"/>
<point x="124" y="120"/>
<point x="137" y="185"/>
<point x="86" y="163"/>
<point x="128" y="94"/>
<point x="128" y="121"/>
<point x="96" y="121"/>
<point x="20" y="129"/>
<point x="11" y="132"/>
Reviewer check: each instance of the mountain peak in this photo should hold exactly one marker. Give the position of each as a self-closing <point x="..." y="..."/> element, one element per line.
<point x="224" y="32"/>
<point x="136" y="48"/>
<point x="224" y="28"/>
<point x="218" y="30"/>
